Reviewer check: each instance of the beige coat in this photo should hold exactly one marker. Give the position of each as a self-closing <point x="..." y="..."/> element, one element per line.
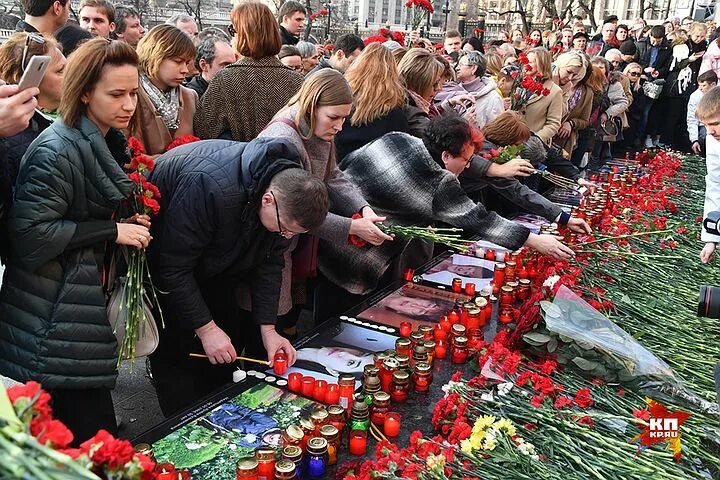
<point x="579" y="117"/>
<point x="151" y="129"/>
<point x="544" y="114"/>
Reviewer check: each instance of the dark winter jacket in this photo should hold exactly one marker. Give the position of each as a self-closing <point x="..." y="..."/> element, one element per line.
<point x="287" y="37"/>
<point x="13" y="148"/>
<point x="402" y="182"/>
<point x="664" y="56"/>
<point x="54" y="327"/>
<point x="208" y="226"/>
<point x="682" y="79"/>
<point x="350" y="138"/>
<point x="199" y="84"/>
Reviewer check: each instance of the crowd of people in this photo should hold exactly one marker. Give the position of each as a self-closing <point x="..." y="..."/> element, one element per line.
<point x="304" y="149"/>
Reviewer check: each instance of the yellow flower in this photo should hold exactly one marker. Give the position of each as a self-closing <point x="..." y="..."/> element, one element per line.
<point x="476" y="440"/>
<point x="489" y="444"/>
<point x="505" y="425"/>
<point x="482" y="423"/>
<point x="466" y="446"/>
<point x="436" y="461"/>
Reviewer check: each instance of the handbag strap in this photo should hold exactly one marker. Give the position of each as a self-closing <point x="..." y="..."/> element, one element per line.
<point x="329" y="165"/>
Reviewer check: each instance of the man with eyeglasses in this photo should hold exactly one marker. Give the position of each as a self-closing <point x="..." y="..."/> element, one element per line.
<point x="44" y="16"/>
<point x="228" y="212"/>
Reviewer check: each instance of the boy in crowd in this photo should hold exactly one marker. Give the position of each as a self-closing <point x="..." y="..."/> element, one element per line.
<point x="97" y="17"/>
<point x="292" y="20"/>
<point x="696" y="130"/>
<point x="708" y="112"/>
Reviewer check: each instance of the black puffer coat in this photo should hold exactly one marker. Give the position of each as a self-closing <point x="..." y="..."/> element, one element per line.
<point x="208" y="226"/>
<point x="53" y="322"/>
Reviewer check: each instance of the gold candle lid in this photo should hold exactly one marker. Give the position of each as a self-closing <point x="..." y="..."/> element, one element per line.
<point x="335" y="410"/>
<point x="329" y="431"/>
<point x="285" y="466"/>
<point x="401" y="375"/>
<point x="381" y="397"/>
<point x="264" y="454"/>
<point x="481" y="302"/>
<point x="422" y="367"/>
<point x="461" y="341"/>
<point x="317" y="445"/>
<point x="292" y="452"/>
<point x="247" y="463"/>
<point x="403" y="342"/>
<point x="390" y="363"/>
<point x="295" y="433"/>
<point x="319" y="415"/>
<point x="144" y="448"/>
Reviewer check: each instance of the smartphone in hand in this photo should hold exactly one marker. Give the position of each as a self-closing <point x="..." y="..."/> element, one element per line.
<point x="34" y="71"/>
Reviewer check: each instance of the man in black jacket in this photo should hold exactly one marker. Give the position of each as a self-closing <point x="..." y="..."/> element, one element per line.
<point x="228" y="210"/>
<point x="655" y="54"/>
<point x="292" y="20"/>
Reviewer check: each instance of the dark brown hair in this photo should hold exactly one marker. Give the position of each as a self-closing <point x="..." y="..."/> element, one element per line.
<point x="102" y="6"/>
<point x="84" y="69"/>
<point x="303" y="197"/>
<point x="258" y="34"/>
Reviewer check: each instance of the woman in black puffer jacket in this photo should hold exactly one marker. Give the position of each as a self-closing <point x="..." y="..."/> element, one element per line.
<point x="54" y="327"/>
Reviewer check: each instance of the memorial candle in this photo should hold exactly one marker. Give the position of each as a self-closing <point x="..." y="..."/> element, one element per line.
<point x="456" y="285"/>
<point x="308" y="386"/>
<point x="445" y="323"/>
<point x="280" y="365"/>
<point x="453" y="317"/>
<point x="247" y="469"/>
<point x="332" y="396"/>
<point x="165" y="471"/>
<point x="440" y="349"/>
<point x="439" y="332"/>
<point x="405" y="329"/>
<point x="490" y="254"/>
<point x="358" y="442"/>
<point x="320" y="390"/>
<point x="347" y="389"/>
<point x="265" y="457"/>
<point x="391" y="426"/>
<point x="470" y="289"/>
<point x="295" y="382"/>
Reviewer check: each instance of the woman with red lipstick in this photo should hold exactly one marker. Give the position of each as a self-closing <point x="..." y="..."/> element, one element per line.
<point x="165" y="107"/>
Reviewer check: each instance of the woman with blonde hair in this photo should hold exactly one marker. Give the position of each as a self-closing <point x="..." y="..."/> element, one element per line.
<point x="310" y="122"/>
<point x="543" y="113"/>
<point x="379" y="97"/>
<point x="165" y="106"/>
<point x="494" y="64"/>
<point x="569" y="73"/>
<point x="244" y="96"/>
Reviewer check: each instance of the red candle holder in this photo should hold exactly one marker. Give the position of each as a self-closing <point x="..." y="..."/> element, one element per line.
<point x="440" y="349"/>
<point x="457" y="285"/>
<point x="469" y="289"/>
<point x="308" y="386"/>
<point x="439" y="332"/>
<point x="490" y="254"/>
<point x="445" y="323"/>
<point x="409" y="274"/>
<point x="295" y="382"/>
<point x="320" y="390"/>
<point x="358" y="442"/>
<point x="453" y="317"/>
<point x="405" y="329"/>
<point x="391" y="425"/>
<point x="332" y="396"/>
<point x="280" y="363"/>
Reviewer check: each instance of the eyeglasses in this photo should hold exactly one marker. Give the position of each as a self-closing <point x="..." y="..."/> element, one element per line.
<point x="32" y="37"/>
<point x="634" y="74"/>
<point x="281" y="231"/>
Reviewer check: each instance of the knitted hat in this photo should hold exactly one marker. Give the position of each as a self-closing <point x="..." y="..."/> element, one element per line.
<point x="628" y="48"/>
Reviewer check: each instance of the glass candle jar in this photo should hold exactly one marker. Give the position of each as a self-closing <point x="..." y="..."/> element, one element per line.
<point x="430" y="347"/>
<point x="319" y="417"/>
<point x="295" y="382"/>
<point x="403" y="362"/>
<point x="469" y="289"/>
<point x="370" y="370"/>
<point x="459" y="350"/>
<point x="347" y="389"/>
<point x="445" y="323"/>
<point x="499" y="275"/>
<point x="337" y="417"/>
<point x="457" y="330"/>
<point x="332" y="435"/>
<point x="371" y="385"/>
<point x="332" y="396"/>
<point x="360" y="414"/>
<point x="285" y="470"/>
<point x="380" y="407"/>
<point x="439" y="332"/>
<point x="379" y="358"/>
<point x="265" y="457"/>
<point x="515" y="286"/>
<point x="524" y="289"/>
<point x="427" y="331"/>
<point x="358" y="442"/>
<point x="308" y="428"/>
<point x="145" y="449"/>
<point x="474" y="322"/>
<point x="405" y="329"/>
<point x="295" y="455"/>
<point x="280" y="363"/>
<point x="422" y="377"/>
<point x="506" y="314"/>
<point x="441" y="349"/>
<point x="490" y="254"/>
<point x="419" y="354"/>
<point x="391" y="426"/>
<point x="308" y="386"/>
<point x="454" y="317"/>
<point x="390" y="366"/>
<point x="456" y="285"/>
<point x="403" y="346"/>
<point x="510" y="271"/>
<point x="316" y="459"/>
<point x="506" y="295"/>
<point x="416" y="337"/>
<point x="320" y="390"/>
<point x="247" y="469"/>
<point x="481" y="304"/>
<point x="401" y="386"/>
<point x="293" y="436"/>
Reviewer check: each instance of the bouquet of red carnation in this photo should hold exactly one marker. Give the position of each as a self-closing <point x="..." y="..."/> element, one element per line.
<point x="33" y="444"/>
<point x="185" y="139"/>
<point x="144" y="200"/>
<point x="421" y="9"/>
<point x="399" y="37"/>
<point x="525" y="86"/>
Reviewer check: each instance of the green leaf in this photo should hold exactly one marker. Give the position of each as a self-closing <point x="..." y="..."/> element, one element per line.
<point x="536" y="339"/>
<point x="586" y="365"/>
<point x="552" y="345"/>
<point x="550" y="309"/>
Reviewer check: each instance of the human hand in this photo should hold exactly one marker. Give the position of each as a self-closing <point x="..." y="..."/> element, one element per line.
<point x="471" y="115"/>
<point x="579" y="225"/>
<point x="517" y="167"/>
<point x="706" y="255"/>
<point x="16" y="109"/>
<point x="565" y="130"/>
<point x="132" y="234"/>
<point x="507" y="103"/>
<point x="549" y="245"/>
<point x="696" y="148"/>
<point x="274" y="342"/>
<point x="590" y="187"/>
<point x="366" y="229"/>
<point x="143" y="220"/>
<point x="320" y="49"/>
<point x="603" y="117"/>
<point x="217" y="345"/>
<point x="695" y="56"/>
<point x="466" y="100"/>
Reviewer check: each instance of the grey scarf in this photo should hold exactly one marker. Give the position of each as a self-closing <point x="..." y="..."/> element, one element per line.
<point x="167" y="104"/>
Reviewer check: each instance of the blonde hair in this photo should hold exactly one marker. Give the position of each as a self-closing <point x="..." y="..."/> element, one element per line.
<point x="697" y="26"/>
<point x="325" y="88"/>
<point x="161" y="43"/>
<point x="709" y="106"/>
<point x="543" y="59"/>
<point x="420" y="71"/>
<point x="11" y="53"/>
<point x="494" y="63"/>
<point x="375" y="83"/>
<point x="573" y="58"/>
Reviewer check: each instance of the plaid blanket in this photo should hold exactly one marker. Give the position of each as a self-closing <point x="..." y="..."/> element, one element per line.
<point x="400" y="180"/>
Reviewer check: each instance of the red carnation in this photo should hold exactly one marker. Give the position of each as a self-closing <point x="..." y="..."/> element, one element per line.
<point x="136" y="148"/>
<point x="33" y="393"/>
<point x="151" y="204"/>
<point x="583" y="399"/>
<point x="182" y="141"/>
<point x="113" y="453"/>
<point x="313" y="16"/>
<point x="52" y="432"/>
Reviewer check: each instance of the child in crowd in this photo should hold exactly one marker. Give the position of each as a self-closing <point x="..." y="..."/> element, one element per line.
<point x="696" y="130"/>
